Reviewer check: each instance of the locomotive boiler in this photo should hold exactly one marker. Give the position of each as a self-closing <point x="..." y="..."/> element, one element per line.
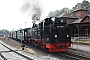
<point x="52" y="34"/>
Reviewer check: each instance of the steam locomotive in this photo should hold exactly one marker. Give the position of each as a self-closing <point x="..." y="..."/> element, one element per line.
<point x="52" y="34"/>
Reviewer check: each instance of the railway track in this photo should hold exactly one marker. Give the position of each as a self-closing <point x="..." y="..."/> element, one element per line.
<point x="4" y="54"/>
<point x="77" y="54"/>
<point x="73" y="56"/>
<point x="68" y="55"/>
<point x="2" y="57"/>
<point x="84" y="53"/>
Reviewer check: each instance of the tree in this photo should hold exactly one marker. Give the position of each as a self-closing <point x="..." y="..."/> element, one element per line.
<point x="64" y="10"/>
<point x="51" y="14"/>
<point x="4" y="31"/>
<point x="58" y="12"/>
<point x="74" y="7"/>
<point x="86" y="4"/>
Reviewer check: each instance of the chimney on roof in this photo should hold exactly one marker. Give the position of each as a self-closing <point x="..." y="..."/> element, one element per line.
<point x="80" y="10"/>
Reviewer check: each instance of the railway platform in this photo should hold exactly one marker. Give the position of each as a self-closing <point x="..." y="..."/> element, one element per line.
<point x="84" y="46"/>
<point x="9" y="55"/>
<point x="81" y="47"/>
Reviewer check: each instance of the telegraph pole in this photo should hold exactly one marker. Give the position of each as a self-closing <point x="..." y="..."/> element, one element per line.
<point x="25" y="24"/>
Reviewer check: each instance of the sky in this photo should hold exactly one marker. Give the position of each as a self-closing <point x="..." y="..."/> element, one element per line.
<point x="12" y="17"/>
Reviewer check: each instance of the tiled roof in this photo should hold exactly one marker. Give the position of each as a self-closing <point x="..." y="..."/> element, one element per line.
<point x="80" y="6"/>
<point x="77" y="21"/>
<point x="68" y="15"/>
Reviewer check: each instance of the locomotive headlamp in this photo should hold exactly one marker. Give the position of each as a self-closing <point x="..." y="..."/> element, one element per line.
<point x="47" y="39"/>
<point x="67" y="35"/>
<point x="55" y="35"/>
<point x="57" y="26"/>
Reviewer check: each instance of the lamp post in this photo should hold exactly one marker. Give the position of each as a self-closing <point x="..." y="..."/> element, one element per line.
<point x="25" y="24"/>
<point x="18" y="27"/>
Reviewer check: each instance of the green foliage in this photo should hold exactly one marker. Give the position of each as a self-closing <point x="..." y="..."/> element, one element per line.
<point x="4" y="31"/>
<point x="87" y="4"/>
<point x="54" y="13"/>
<point x="20" y="28"/>
<point x="51" y="14"/>
<point x="83" y="40"/>
<point x="58" y="12"/>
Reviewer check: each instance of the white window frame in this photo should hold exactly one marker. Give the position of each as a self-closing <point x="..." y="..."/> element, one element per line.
<point x="86" y="31"/>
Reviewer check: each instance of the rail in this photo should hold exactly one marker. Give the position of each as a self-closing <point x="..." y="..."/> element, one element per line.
<point x="11" y="50"/>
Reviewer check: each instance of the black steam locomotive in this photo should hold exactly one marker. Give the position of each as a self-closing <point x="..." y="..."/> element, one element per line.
<point x="52" y="33"/>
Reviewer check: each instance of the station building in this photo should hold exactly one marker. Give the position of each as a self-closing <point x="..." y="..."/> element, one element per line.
<point x="79" y="21"/>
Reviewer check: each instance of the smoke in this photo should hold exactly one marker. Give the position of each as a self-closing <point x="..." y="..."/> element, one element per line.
<point x="33" y="8"/>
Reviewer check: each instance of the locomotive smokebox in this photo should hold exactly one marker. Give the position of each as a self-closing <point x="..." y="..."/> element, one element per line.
<point x="34" y="25"/>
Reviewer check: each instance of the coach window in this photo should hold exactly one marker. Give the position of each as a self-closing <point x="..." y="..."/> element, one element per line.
<point x="86" y="31"/>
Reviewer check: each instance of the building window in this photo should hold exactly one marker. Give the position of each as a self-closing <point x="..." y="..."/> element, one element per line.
<point x="86" y="31"/>
<point x="81" y="31"/>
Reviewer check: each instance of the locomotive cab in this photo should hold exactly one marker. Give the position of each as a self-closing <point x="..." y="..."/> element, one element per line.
<point x="57" y="34"/>
<point x="56" y="30"/>
<point x="52" y="33"/>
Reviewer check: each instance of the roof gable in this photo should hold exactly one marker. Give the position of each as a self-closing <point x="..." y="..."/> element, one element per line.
<point x="84" y="19"/>
<point x="77" y="21"/>
<point x="80" y="20"/>
<point x="68" y="15"/>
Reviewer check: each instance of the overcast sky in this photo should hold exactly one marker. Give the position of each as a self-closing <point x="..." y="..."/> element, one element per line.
<point x="11" y="16"/>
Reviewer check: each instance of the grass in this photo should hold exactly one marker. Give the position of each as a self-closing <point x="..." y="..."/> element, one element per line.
<point x="84" y="40"/>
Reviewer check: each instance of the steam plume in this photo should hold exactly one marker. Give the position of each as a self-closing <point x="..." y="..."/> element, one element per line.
<point x="33" y="8"/>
